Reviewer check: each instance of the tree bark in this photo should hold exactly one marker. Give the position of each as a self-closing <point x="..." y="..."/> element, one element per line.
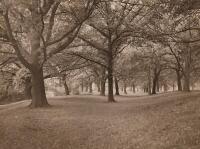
<point x="186" y="86"/>
<point x="38" y="90"/>
<point x="155" y="79"/>
<point x="66" y="88"/>
<point x="116" y="87"/>
<point x="65" y="85"/>
<point x="158" y="86"/>
<point x="179" y="84"/>
<point x="125" y="87"/>
<point x="103" y="87"/>
<point x="110" y="86"/>
<point x="110" y="76"/>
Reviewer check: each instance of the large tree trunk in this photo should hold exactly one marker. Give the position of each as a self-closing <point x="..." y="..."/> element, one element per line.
<point x="179" y="84"/>
<point x="116" y="87"/>
<point x="186" y="86"/>
<point x="38" y="90"/>
<point x="110" y="76"/>
<point x="155" y="79"/>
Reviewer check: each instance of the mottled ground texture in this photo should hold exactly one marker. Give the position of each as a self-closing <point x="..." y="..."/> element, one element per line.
<point x="165" y="121"/>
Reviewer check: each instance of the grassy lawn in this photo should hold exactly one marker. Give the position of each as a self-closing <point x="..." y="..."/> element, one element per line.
<point x="164" y="121"/>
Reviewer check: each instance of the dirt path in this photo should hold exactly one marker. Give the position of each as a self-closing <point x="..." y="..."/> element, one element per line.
<point x="165" y="121"/>
<point x="14" y="105"/>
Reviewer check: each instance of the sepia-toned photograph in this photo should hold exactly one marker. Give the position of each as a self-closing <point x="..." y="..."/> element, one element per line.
<point x="99" y="74"/>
